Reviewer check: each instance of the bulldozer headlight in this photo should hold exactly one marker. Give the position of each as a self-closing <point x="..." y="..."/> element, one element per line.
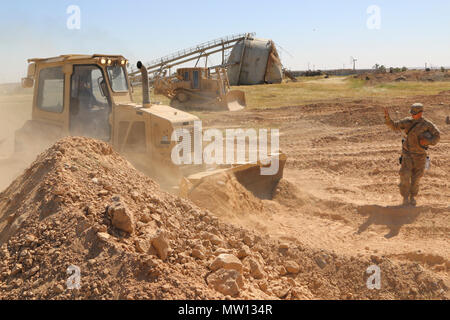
<point x="102" y="60"/>
<point x="122" y="62"/>
<point x="109" y="62"/>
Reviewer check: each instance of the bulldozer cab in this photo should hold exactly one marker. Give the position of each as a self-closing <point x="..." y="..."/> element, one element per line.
<point x="90" y="95"/>
<point x="75" y="94"/>
<point x="196" y="77"/>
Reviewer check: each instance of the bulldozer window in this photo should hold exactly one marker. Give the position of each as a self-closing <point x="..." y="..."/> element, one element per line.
<point x="117" y="79"/>
<point x="86" y="86"/>
<point x="196" y="83"/>
<point x="51" y="90"/>
<point x="89" y="103"/>
<point x="186" y="76"/>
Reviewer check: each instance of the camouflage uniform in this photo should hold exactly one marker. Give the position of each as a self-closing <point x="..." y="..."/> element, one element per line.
<point x="414" y="155"/>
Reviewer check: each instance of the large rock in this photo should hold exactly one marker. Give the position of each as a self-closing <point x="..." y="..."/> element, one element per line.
<point x="301" y="293"/>
<point x="256" y="269"/>
<point x="280" y="291"/>
<point x="122" y="218"/>
<point x="103" y="236"/>
<point x="161" y="244"/>
<point x="226" y="261"/>
<point x="215" y="240"/>
<point x="292" y="267"/>
<point x="227" y="282"/>
<point x="142" y="245"/>
<point x="198" y="254"/>
<point x="244" y="252"/>
<point x="248" y="240"/>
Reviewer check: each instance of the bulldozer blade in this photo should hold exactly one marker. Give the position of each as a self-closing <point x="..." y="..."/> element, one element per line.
<point x="249" y="175"/>
<point x="262" y="186"/>
<point x="235" y="100"/>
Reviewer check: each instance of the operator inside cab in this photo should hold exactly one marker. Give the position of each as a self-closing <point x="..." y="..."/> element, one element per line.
<point x="89" y="104"/>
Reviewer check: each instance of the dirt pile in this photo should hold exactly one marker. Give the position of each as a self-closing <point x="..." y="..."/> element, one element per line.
<point x="80" y="204"/>
<point x="411" y="75"/>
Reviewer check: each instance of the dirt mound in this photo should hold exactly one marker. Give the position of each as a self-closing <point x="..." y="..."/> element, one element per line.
<point x="411" y="75"/>
<point x="80" y="204"/>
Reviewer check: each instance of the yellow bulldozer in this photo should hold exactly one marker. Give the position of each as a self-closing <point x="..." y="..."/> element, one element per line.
<point x="91" y="95"/>
<point x="200" y="89"/>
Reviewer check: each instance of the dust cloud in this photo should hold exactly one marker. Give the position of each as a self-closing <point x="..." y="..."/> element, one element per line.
<point x="15" y="110"/>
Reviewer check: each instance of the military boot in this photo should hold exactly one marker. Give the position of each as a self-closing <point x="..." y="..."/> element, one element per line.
<point x="405" y="201"/>
<point x="412" y="201"/>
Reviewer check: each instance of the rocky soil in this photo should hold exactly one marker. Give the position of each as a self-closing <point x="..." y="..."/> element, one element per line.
<point x="81" y="204"/>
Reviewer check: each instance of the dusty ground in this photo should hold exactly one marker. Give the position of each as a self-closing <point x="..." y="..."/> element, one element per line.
<point x="339" y="193"/>
<point x="342" y="176"/>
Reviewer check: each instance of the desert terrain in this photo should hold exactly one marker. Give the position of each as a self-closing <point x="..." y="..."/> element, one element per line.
<point x="336" y="211"/>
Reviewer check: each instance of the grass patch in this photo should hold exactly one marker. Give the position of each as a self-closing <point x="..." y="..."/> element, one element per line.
<point x="321" y="90"/>
<point x="413" y="87"/>
<point x="356" y="83"/>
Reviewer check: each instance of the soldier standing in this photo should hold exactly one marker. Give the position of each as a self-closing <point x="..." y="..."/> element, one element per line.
<point x="420" y="133"/>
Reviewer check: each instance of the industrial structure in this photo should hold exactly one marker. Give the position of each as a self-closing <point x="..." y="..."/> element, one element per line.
<point x="248" y="60"/>
<point x="254" y="61"/>
<point x="203" y="50"/>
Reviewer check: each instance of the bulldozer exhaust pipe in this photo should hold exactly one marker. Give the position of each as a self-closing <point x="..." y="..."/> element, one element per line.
<point x="145" y="87"/>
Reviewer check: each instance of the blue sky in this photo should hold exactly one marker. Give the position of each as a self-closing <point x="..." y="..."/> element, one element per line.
<point x="322" y="33"/>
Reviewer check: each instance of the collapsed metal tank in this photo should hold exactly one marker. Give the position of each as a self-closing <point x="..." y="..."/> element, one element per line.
<point x="254" y="61"/>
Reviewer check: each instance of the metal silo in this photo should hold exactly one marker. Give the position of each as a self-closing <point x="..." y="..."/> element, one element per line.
<point x="254" y="61"/>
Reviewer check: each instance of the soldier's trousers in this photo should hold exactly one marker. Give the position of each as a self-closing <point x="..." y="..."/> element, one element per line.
<point x="412" y="170"/>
